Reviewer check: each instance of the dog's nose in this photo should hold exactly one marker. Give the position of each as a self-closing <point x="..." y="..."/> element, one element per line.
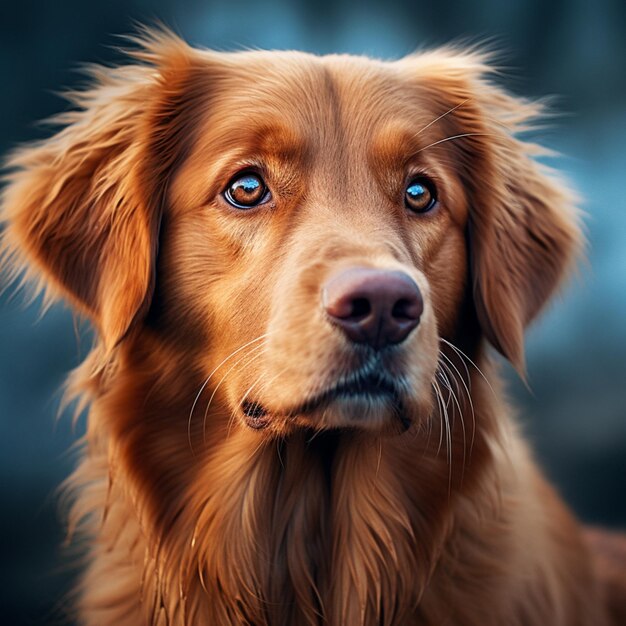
<point x="376" y="307"/>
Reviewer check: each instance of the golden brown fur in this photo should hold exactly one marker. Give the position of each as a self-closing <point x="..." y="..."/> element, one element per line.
<point x="336" y="516"/>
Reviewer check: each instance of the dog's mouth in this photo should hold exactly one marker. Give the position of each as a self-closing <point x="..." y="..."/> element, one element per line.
<point x="373" y="386"/>
<point x="363" y="389"/>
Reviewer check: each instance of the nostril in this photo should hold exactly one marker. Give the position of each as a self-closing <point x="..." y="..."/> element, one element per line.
<point x="401" y="309"/>
<point x="408" y="308"/>
<point x="361" y="308"/>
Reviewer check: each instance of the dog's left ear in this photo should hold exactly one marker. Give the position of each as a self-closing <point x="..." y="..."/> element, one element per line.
<point x="523" y="238"/>
<point x="523" y="227"/>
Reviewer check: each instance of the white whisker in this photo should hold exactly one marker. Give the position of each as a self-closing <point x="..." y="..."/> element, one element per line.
<point x="440" y="408"/>
<point x="448" y="445"/>
<point x="249" y="359"/>
<point x="436" y="143"/>
<point x="448" y="432"/>
<point x="467" y="393"/>
<point x="464" y="356"/>
<point x="452" y="397"/>
<point x="258" y="379"/>
<point x="454" y="108"/>
<point x="206" y="382"/>
<point x="457" y="403"/>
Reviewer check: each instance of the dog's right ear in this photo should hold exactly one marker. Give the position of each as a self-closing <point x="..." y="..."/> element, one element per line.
<point x="81" y="210"/>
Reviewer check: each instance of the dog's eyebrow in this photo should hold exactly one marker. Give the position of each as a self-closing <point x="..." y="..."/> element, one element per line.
<point x="266" y="140"/>
<point x="394" y="144"/>
<point x="280" y="140"/>
<point x="249" y="142"/>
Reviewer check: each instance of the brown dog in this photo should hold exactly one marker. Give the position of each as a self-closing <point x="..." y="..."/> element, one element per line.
<point x="292" y="263"/>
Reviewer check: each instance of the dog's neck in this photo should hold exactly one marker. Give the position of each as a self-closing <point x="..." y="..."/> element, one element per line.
<point x="344" y="524"/>
<point x="338" y="526"/>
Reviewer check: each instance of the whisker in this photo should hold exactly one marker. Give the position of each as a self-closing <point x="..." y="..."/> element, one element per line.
<point x="440" y="411"/>
<point x="464" y="356"/>
<point x="427" y="426"/>
<point x="206" y="382"/>
<point x="436" y="143"/>
<point x="266" y="384"/>
<point x="445" y="373"/>
<point x="468" y="394"/>
<point x="251" y="358"/>
<point x="320" y="428"/>
<point x="452" y="398"/>
<point x="450" y="377"/>
<point x="278" y="452"/>
<point x="233" y="412"/>
<point x="467" y="374"/>
<point x="458" y="405"/>
<point x="454" y="108"/>
<point x="449" y="396"/>
<point x="448" y="432"/>
<point x="446" y="420"/>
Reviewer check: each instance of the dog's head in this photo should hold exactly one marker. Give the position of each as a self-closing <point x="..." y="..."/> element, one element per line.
<point x="305" y="230"/>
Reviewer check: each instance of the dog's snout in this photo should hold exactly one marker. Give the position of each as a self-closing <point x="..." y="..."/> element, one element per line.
<point x="376" y="307"/>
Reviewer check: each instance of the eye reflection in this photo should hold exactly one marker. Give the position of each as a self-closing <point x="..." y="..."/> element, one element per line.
<point x="247" y="190"/>
<point x="420" y="195"/>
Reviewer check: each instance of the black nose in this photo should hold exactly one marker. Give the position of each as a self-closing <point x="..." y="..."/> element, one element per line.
<point x="376" y="307"/>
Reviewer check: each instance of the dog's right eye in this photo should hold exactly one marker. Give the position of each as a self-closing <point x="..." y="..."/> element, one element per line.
<point x="247" y="190"/>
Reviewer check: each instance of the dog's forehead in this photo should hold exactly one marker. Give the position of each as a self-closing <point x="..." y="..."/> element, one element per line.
<point x="334" y="119"/>
<point x="315" y="98"/>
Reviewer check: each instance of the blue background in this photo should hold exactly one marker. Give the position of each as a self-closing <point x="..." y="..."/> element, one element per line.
<point x="575" y="413"/>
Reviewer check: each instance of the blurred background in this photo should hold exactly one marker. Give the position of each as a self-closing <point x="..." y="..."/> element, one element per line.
<point x="575" y="411"/>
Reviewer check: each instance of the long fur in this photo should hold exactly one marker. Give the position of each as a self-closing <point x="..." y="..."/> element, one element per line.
<point x="189" y="515"/>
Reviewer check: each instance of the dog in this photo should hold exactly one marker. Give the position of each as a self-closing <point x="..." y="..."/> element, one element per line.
<point x="295" y="265"/>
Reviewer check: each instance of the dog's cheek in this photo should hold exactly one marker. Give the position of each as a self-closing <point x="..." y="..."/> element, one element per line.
<point x="446" y="271"/>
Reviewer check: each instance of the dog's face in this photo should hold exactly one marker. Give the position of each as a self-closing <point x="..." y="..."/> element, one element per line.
<point x="322" y="224"/>
<point x="327" y="241"/>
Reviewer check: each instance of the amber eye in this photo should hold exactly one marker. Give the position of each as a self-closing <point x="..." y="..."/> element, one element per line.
<point x="245" y="191"/>
<point x="420" y="195"/>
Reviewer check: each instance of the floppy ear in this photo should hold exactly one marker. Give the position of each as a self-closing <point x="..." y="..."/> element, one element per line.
<point x="523" y="238"/>
<point x="523" y="226"/>
<point x="82" y="209"/>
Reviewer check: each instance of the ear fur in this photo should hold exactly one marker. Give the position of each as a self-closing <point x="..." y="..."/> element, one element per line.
<point x="523" y="225"/>
<point x="520" y="252"/>
<point x="81" y="210"/>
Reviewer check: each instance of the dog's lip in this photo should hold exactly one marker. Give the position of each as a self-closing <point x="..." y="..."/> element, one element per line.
<point x="358" y="385"/>
<point x="369" y="384"/>
<point x="256" y="414"/>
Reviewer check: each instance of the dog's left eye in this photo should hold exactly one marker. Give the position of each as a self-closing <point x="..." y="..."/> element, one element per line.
<point x="420" y="195"/>
<point x="245" y="191"/>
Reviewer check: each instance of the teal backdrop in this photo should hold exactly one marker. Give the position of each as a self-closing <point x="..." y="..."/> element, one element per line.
<point x="575" y="410"/>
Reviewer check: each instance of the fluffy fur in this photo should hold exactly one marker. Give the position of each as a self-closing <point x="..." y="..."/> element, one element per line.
<point x="195" y="513"/>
